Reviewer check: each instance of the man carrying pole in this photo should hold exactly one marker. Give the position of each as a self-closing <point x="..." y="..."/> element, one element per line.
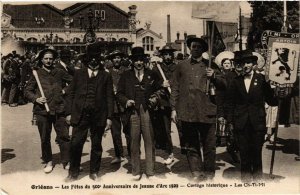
<point x="195" y="109"/>
<point x="44" y="90"/>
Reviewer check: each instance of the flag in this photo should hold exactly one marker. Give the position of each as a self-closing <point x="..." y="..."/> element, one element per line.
<point x="218" y="43"/>
<point x="221" y="11"/>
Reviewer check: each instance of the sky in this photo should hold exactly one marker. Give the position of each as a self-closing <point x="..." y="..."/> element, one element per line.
<point x="156" y="11"/>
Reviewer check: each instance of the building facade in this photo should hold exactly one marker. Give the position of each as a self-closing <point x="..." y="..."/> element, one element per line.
<point x="41" y="25"/>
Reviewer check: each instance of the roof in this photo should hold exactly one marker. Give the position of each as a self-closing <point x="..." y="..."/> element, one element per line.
<point x="59" y="11"/>
<point x="141" y="32"/>
<point x="79" y="6"/>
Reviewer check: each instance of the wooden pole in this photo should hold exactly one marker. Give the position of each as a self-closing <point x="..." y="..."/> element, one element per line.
<point x="163" y="75"/>
<point x="36" y="76"/>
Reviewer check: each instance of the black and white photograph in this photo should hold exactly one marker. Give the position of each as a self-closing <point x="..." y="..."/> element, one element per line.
<point x="150" y="97"/>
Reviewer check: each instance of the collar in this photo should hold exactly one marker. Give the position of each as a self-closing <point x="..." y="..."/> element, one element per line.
<point x="195" y="61"/>
<point x="249" y="75"/>
<point x="140" y="71"/>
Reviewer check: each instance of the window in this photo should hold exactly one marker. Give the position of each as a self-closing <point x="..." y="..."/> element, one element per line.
<point x="100" y="39"/>
<point x="113" y="39"/>
<point x="32" y="39"/>
<point x="148" y="43"/>
<point x="76" y="40"/>
<point x="123" y="39"/>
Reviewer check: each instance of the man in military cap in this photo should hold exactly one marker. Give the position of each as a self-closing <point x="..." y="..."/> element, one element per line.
<point x="118" y="118"/>
<point x="51" y="80"/>
<point x="162" y="116"/>
<point x="196" y="110"/>
<point x="138" y="92"/>
<point x="246" y="101"/>
<point x="89" y="107"/>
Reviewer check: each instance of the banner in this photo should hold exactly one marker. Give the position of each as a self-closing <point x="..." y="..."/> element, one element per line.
<point x="221" y="11"/>
<point x="282" y="57"/>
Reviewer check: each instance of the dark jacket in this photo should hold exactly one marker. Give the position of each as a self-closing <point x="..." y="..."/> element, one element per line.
<point x="126" y="86"/>
<point x="188" y="96"/>
<point x="168" y="71"/>
<point x="77" y="96"/>
<point x="250" y="106"/>
<point x="116" y="74"/>
<point x="52" y="86"/>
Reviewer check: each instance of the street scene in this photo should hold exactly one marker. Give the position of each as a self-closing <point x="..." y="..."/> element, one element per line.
<point x="150" y="97"/>
<point x="21" y="166"/>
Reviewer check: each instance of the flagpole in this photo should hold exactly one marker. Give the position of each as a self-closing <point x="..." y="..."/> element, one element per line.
<point x="240" y="31"/>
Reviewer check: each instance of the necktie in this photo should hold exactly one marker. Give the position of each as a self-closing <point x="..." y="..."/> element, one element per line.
<point x="93" y="74"/>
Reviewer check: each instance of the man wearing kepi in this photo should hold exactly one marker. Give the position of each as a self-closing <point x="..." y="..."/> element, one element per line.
<point x="195" y="109"/>
<point x="138" y="91"/>
<point x="116" y="71"/>
<point x="52" y="80"/>
<point x="90" y="107"/>
<point x="247" y="95"/>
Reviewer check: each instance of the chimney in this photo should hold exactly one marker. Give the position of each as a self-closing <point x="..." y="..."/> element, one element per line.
<point x="178" y="35"/>
<point x="132" y="17"/>
<point x="168" y="30"/>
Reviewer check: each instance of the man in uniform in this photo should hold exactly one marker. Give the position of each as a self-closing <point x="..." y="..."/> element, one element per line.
<point x="51" y="80"/>
<point x="89" y="107"/>
<point x="195" y="109"/>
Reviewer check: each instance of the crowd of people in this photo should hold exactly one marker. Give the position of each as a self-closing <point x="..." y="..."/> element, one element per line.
<point x="209" y="102"/>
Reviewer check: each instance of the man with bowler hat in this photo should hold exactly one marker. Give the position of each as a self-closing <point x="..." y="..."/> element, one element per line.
<point x="116" y="57"/>
<point x="138" y="91"/>
<point x="51" y="80"/>
<point x="89" y="107"/>
<point x="196" y="110"/>
<point x="247" y="95"/>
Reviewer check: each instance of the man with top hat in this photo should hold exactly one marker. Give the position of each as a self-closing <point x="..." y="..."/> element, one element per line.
<point x="162" y="116"/>
<point x="196" y="110"/>
<point x="51" y="80"/>
<point x="247" y="95"/>
<point x="118" y="121"/>
<point x="138" y="92"/>
<point x="89" y="107"/>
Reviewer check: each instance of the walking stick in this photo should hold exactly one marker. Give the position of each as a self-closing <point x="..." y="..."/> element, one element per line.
<point x="275" y="139"/>
<point x="36" y="76"/>
<point x="163" y="75"/>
